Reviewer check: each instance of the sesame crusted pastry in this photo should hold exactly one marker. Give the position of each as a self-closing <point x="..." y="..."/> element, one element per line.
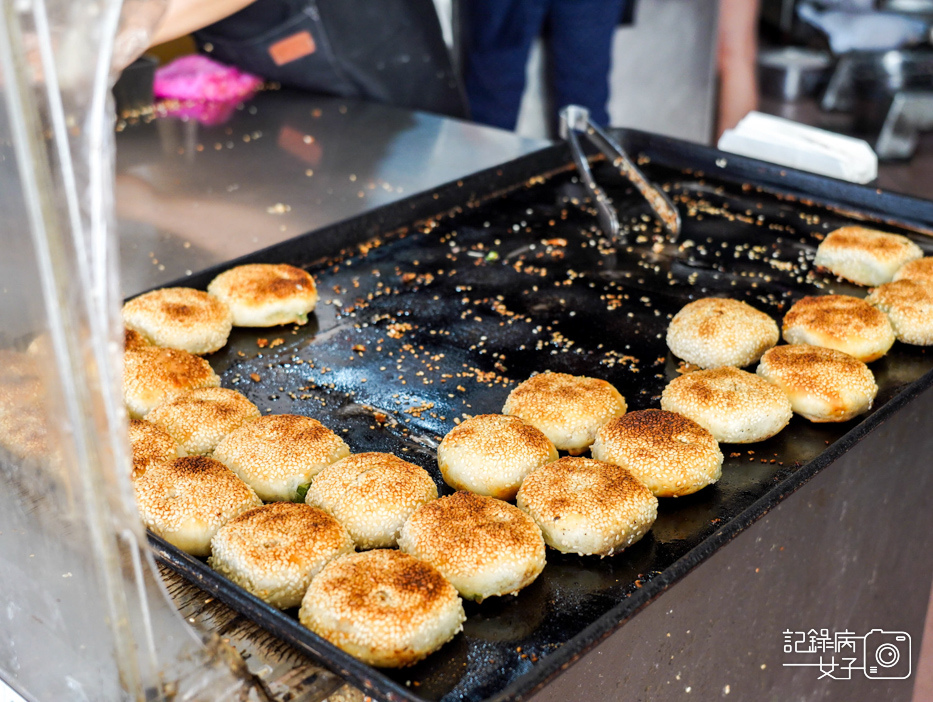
<point x="185" y="501"/>
<point x="909" y="306"/>
<point x="567" y="409"/>
<point x="484" y="546"/>
<point x="713" y="332"/>
<point x="277" y="454"/>
<point x="672" y="455"/>
<point x="132" y="339"/>
<point x="841" y="322"/>
<point x="735" y="406"/>
<point x="865" y="256"/>
<point x="918" y="269"/>
<point x="152" y="375"/>
<point x="823" y="385"/>
<point x="274" y="551"/>
<point x="384" y="607"/>
<point x="372" y="494"/>
<point x="151" y="445"/>
<point x="266" y="294"/>
<point x="200" y="418"/>
<point x="491" y="454"/>
<point x="588" y="507"/>
<point x="180" y="318"/>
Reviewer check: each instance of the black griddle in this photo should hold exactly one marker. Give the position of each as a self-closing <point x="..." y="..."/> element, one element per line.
<point x="434" y="307"/>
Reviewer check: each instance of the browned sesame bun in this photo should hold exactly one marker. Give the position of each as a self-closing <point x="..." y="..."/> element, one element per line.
<point x="491" y="454"/>
<point x="588" y="507"/>
<point x="669" y="453"/>
<point x="151" y="445"/>
<point x="865" y="256"/>
<point x="24" y="410"/>
<point x="277" y="454"/>
<point x="180" y="318"/>
<point x="567" y="409"/>
<point x="266" y="294"/>
<point x="841" y="322"/>
<point x="185" y="501"/>
<point x="714" y="332"/>
<point x="200" y="418"/>
<point x="274" y="551"/>
<point x="919" y="269"/>
<point x="152" y="375"/>
<point x="484" y="546"/>
<point x="132" y="339"/>
<point x="823" y="385"/>
<point x="384" y="607"/>
<point x="736" y="407"/>
<point x="372" y="494"/>
<point x="909" y="306"/>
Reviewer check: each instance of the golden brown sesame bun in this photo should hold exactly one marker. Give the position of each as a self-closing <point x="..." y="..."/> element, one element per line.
<point x="180" y="318"/>
<point x="865" y="256"/>
<point x="713" y="332"/>
<point x="491" y="454"/>
<point x="736" y="407"/>
<point x="918" y="269"/>
<point x="841" y="322"/>
<point x="274" y="551"/>
<point x="151" y="445"/>
<point x="384" y="607"/>
<point x="909" y="306"/>
<point x="484" y="546"/>
<point x="266" y="294"/>
<point x="588" y="507"/>
<point x="672" y="455"/>
<point x="198" y="419"/>
<point x="132" y="339"/>
<point x="152" y="375"/>
<point x="277" y="454"/>
<point x="567" y="409"/>
<point x="372" y="494"/>
<point x="823" y="385"/>
<point x="185" y="501"/>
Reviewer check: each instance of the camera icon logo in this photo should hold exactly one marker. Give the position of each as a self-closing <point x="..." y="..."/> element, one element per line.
<point x="887" y="655"/>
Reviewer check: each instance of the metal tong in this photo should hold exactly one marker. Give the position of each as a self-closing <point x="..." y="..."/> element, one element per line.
<point x="575" y="119"/>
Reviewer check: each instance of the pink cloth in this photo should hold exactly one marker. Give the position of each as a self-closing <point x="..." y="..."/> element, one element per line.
<point x="197" y="77"/>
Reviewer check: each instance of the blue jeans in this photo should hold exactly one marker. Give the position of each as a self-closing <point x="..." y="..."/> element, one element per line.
<point x="498" y="37"/>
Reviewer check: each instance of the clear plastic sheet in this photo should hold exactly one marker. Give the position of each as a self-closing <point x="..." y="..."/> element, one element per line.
<point x="83" y="615"/>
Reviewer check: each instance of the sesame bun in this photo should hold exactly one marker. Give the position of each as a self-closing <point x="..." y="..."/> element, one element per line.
<point x="841" y="322"/>
<point x="132" y="339"/>
<point x="672" y="455"/>
<point x="152" y="375"/>
<point x="823" y="385"/>
<point x="384" y="607"/>
<point x="491" y="454"/>
<point x="909" y="306"/>
<point x="714" y="332"/>
<point x="185" y="501"/>
<point x="200" y="418"/>
<point x="484" y="546"/>
<point x="736" y="407"/>
<point x="919" y="269"/>
<point x="588" y="507"/>
<point x="151" y="445"/>
<point x="865" y="256"/>
<point x="266" y="294"/>
<point x="277" y="454"/>
<point x="372" y="494"/>
<point x="567" y="409"/>
<point x="274" y="551"/>
<point x="180" y="318"/>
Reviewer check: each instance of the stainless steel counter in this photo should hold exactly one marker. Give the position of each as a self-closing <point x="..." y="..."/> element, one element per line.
<point x="191" y="195"/>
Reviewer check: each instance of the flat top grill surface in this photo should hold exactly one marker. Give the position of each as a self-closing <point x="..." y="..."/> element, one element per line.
<point x="424" y="327"/>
